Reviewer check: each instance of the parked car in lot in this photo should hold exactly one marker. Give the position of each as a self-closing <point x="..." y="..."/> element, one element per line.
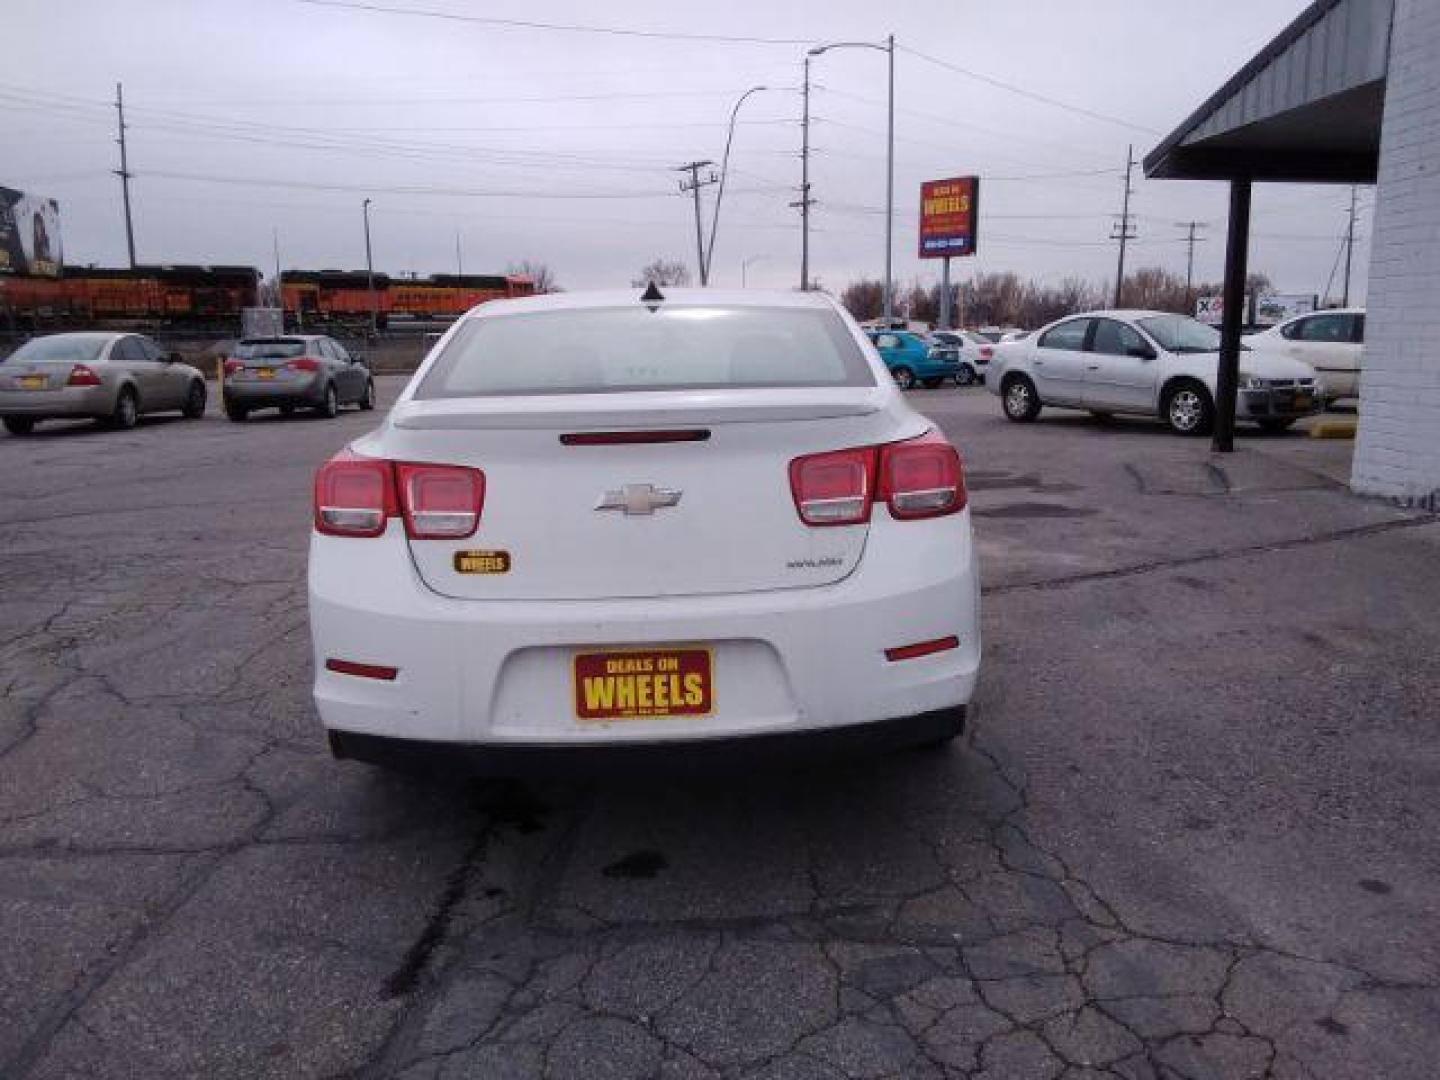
<point x="976" y="352"/>
<point x="111" y="377"/>
<point x="913" y="358"/>
<point x="709" y="520"/>
<point x="1332" y="342"/>
<point x="297" y="371"/>
<point x="1148" y="363"/>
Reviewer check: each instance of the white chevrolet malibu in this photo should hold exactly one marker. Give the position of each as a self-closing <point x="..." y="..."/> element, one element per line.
<point x="608" y="522"/>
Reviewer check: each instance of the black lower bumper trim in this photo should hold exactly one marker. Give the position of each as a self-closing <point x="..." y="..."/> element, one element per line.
<point x="682" y="755"/>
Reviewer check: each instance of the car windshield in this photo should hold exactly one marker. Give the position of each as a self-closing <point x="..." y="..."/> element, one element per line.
<point x="60" y="349"/>
<point x="617" y="349"/>
<point x="1181" y="334"/>
<point x="275" y="349"/>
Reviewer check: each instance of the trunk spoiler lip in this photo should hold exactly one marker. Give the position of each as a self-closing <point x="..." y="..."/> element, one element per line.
<point x="670" y="409"/>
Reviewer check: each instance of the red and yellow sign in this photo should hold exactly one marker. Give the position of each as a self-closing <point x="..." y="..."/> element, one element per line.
<point x="949" y="214"/>
<point x="643" y="684"/>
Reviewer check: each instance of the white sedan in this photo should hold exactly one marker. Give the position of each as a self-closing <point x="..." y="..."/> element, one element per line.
<point x="1148" y="363"/>
<point x="596" y="522"/>
<point x="1332" y="342"/>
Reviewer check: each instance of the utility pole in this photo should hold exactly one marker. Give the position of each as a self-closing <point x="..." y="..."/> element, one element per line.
<point x="370" y="269"/>
<point x="1191" y="239"/>
<point x="1124" y="235"/>
<point x="1349" y="247"/>
<point x="459" y="259"/>
<point x="890" y="184"/>
<point x="693" y="185"/>
<point x="805" y="200"/>
<point x="124" y="173"/>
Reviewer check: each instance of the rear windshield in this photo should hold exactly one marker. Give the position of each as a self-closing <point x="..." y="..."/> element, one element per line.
<point x="604" y="350"/>
<point x="60" y="349"/>
<point x="269" y="350"/>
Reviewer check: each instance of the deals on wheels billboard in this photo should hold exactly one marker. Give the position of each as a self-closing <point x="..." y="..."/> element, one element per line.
<point x="29" y="234"/>
<point x="949" y="213"/>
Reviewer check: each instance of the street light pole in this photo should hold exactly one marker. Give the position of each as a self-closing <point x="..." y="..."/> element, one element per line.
<point x="889" y="49"/>
<point x="805" y="200"/>
<point x="369" y="268"/>
<point x="724" y="171"/>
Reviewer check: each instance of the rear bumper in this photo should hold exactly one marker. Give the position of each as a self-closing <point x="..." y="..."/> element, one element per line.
<point x="786" y="661"/>
<point x="649" y="758"/>
<point x="59" y="403"/>
<point x="266" y="395"/>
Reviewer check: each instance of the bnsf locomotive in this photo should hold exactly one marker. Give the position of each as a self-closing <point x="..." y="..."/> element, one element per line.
<point x="344" y="295"/>
<point x="214" y="296"/>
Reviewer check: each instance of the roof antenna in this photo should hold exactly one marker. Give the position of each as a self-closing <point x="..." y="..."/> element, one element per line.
<point x="652" y="296"/>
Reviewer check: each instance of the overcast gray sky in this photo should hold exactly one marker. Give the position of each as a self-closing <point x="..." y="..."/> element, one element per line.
<point x="249" y="116"/>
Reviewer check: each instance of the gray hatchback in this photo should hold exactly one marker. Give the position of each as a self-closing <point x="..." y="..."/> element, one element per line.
<point x="296" y="371"/>
<point x="110" y="377"/>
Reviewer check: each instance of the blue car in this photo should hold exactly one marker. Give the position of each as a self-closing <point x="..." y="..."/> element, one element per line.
<point x="914" y="359"/>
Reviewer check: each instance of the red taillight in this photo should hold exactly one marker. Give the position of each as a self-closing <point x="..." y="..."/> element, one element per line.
<point x="233" y="366"/>
<point x="305" y="363"/>
<point x="354" y="496"/>
<point x="441" y="502"/>
<point x="80" y="375"/>
<point x="921" y="478"/>
<point x="986" y="352"/>
<point x="922" y="648"/>
<point x="364" y="671"/>
<point x="834" y="488"/>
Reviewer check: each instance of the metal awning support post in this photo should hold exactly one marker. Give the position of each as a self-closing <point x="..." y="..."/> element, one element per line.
<point x="1237" y="250"/>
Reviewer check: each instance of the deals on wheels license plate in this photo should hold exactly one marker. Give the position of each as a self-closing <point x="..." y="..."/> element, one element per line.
<point x="638" y="684"/>
<point x="265" y="373"/>
<point x="32" y="382"/>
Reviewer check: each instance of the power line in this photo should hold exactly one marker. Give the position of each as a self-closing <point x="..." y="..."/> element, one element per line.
<point x="1031" y="94"/>
<point x="570" y="28"/>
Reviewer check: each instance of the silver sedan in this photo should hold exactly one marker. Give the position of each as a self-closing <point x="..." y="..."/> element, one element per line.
<point x="114" y="378"/>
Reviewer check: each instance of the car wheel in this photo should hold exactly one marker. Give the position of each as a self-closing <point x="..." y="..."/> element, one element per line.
<point x="195" y="401"/>
<point x="330" y="408"/>
<point x="19" y="425"/>
<point x="1019" y="399"/>
<point x="904" y="378"/>
<point x="966" y="376"/>
<point x="237" y="413"/>
<point x="367" y="401"/>
<point x="1276" y="426"/>
<point x="127" y="410"/>
<point x="1188" y="409"/>
<point x="931" y="384"/>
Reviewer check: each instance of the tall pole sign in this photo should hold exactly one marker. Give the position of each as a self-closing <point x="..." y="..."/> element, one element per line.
<point x="949" y="219"/>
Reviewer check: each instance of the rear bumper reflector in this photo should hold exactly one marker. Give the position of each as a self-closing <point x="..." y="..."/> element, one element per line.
<point x="922" y="648"/>
<point x="363" y="671"/>
<point x="630" y="438"/>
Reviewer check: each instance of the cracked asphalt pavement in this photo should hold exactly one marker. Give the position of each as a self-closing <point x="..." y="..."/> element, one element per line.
<point x="1195" y="834"/>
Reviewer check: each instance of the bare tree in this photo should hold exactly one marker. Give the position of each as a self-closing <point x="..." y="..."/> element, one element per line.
<point x="864" y="299"/>
<point x="663" y="271"/>
<point x="539" y="273"/>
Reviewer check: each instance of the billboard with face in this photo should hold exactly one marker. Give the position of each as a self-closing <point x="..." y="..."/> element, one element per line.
<point x="29" y="235"/>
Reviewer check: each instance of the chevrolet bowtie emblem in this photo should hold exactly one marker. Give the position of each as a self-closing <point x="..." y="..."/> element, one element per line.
<point x="633" y="499"/>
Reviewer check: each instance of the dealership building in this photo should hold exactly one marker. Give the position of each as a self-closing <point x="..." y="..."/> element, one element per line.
<point x="1348" y="93"/>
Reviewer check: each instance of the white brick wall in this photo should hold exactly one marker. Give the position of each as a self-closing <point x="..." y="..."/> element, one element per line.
<point x="1397" y="452"/>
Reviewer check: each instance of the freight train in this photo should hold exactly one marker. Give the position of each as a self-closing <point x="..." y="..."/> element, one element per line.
<point x="213" y="296"/>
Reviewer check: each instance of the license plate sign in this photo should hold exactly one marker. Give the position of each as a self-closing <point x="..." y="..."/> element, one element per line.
<point x="265" y="373"/>
<point x="32" y="382"/>
<point x="643" y="684"/>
